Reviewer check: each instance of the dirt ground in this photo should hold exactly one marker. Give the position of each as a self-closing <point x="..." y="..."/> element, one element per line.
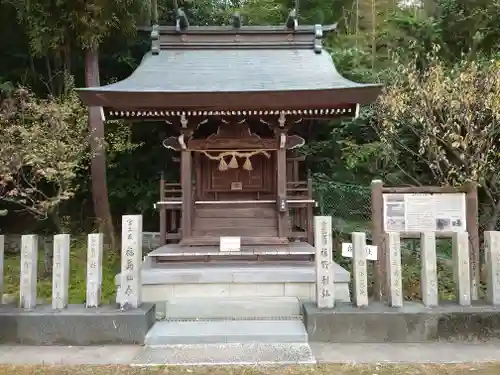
<point x="458" y="369"/>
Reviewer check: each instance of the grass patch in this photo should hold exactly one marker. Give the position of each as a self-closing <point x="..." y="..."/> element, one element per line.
<point x="411" y="269"/>
<point x="414" y="369"/>
<point x="77" y="276"/>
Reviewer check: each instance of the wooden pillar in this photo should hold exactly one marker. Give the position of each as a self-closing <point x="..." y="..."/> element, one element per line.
<point x="310" y="212"/>
<point x="163" y="213"/>
<point x="472" y="226"/>
<point x="281" y="199"/>
<point x="187" y="196"/>
<point x="378" y="238"/>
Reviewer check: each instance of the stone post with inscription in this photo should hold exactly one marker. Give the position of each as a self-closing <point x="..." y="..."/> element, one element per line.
<point x="428" y="276"/>
<point x="492" y="255"/>
<point x="29" y="265"/>
<point x="394" y="272"/>
<point x="60" y="271"/>
<point x="2" y="254"/>
<point x="359" y="269"/>
<point x="325" y="292"/>
<point x="95" y="243"/>
<point x="130" y="281"/>
<point x="461" y="267"/>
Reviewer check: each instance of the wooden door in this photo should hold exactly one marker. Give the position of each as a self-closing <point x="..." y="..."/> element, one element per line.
<point x="236" y="183"/>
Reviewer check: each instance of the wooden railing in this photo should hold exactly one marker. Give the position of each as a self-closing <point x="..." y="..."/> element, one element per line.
<point x="170" y="208"/>
<point x="300" y="208"/>
<point x="299" y="199"/>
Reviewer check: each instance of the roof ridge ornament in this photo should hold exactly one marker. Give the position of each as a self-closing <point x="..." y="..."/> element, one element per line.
<point x="318" y="35"/>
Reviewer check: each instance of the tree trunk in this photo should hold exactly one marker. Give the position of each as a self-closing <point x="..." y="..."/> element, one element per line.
<point x="98" y="156"/>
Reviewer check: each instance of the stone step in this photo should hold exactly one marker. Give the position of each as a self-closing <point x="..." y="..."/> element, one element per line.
<point x="226" y="331"/>
<point x="226" y="355"/>
<point x="232" y="307"/>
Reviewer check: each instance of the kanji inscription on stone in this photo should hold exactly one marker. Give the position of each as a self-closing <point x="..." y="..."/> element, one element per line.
<point x="94" y="269"/>
<point x="325" y="292"/>
<point x="429" y="278"/>
<point x="60" y="271"/>
<point x="130" y="280"/>
<point x="2" y="252"/>
<point x="461" y="267"/>
<point x="359" y="269"/>
<point x="29" y="264"/>
<point x="395" y="272"/>
<point x="492" y="250"/>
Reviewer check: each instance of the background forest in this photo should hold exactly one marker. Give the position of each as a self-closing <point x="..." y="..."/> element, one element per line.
<point x="435" y="123"/>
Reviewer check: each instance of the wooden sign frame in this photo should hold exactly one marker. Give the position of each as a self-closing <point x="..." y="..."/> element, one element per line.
<point x="377" y="225"/>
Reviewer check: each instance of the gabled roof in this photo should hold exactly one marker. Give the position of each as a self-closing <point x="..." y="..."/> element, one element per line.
<point x="220" y="68"/>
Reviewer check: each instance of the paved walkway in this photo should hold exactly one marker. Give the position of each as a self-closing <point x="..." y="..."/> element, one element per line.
<point x="253" y="354"/>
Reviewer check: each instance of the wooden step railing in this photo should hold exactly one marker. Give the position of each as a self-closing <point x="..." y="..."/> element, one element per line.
<point x="300" y="210"/>
<point x="170" y="208"/>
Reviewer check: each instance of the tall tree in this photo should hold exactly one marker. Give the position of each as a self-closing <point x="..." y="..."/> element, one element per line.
<point x="445" y="120"/>
<point x="56" y="29"/>
<point x="42" y="147"/>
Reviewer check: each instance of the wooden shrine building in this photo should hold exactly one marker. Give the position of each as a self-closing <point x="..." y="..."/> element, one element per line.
<point x="238" y="99"/>
<point x="236" y="96"/>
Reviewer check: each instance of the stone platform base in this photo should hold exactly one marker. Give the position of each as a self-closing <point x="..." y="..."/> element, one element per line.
<point x="75" y="325"/>
<point x="412" y="323"/>
<point x="172" y="283"/>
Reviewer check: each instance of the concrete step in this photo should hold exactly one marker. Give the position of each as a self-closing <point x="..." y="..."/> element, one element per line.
<point x="226" y="331"/>
<point x="232" y="308"/>
<point x="225" y="354"/>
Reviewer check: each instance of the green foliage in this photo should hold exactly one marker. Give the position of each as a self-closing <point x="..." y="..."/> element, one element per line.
<point x="58" y="25"/>
<point x="372" y="40"/>
<point x="42" y="147"/>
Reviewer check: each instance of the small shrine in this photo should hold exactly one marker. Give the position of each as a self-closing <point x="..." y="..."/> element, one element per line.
<point x="241" y="100"/>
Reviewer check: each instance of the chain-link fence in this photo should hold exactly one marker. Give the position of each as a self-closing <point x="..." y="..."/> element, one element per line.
<point x="348" y="205"/>
<point x="350" y="208"/>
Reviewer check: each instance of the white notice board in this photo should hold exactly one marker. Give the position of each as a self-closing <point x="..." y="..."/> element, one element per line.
<point x="444" y="212"/>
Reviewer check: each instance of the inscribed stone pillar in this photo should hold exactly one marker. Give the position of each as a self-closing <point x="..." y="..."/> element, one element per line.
<point x="461" y="267"/>
<point x="2" y="254"/>
<point x="60" y="271"/>
<point x="394" y="273"/>
<point x="29" y="265"/>
<point x="428" y="277"/>
<point x="325" y="289"/>
<point x="130" y="283"/>
<point x="359" y="269"/>
<point x="95" y="243"/>
<point x="492" y="255"/>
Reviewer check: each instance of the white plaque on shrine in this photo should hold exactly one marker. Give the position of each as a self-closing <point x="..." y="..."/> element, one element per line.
<point x="325" y="292"/>
<point x="130" y="283"/>
<point x="230" y="244"/>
